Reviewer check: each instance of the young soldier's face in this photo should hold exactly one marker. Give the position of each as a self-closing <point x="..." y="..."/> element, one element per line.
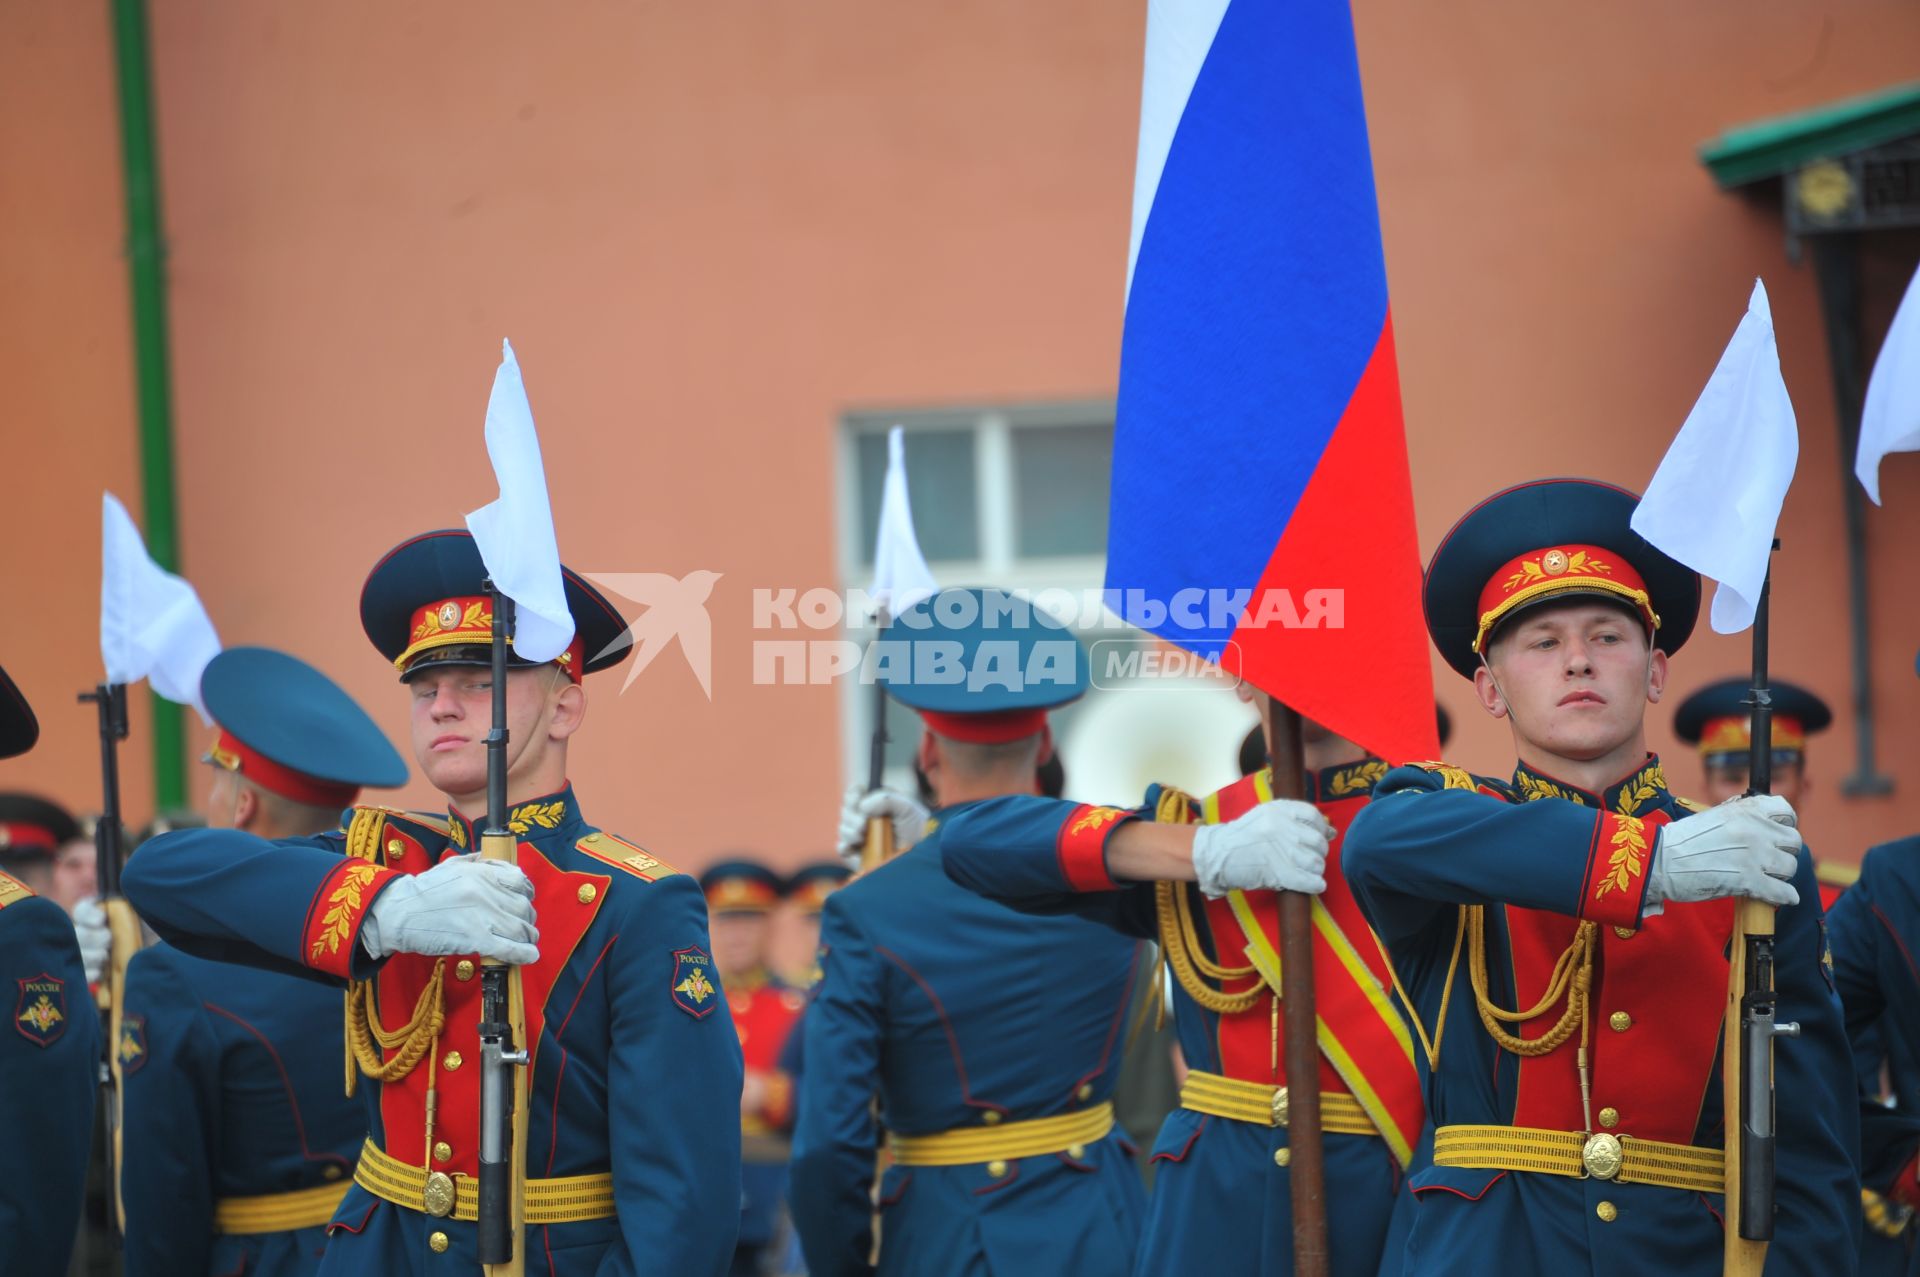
<point x="739" y="940"/>
<point x="1574" y="680"/>
<point x="453" y="711"/>
<point x="1724" y="781"/>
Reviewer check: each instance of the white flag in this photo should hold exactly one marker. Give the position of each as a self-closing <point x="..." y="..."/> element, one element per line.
<point x="1890" y="421"/>
<point x="901" y="577"/>
<point x="152" y="625"/>
<point x="1714" y="503"/>
<point x="515" y="533"/>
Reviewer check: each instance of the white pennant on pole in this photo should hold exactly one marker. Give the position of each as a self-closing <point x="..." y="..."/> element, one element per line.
<point x="901" y="576"/>
<point x="515" y="533"/>
<point x="152" y="624"/>
<point x="1714" y="503"/>
<point x="1890" y="419"/>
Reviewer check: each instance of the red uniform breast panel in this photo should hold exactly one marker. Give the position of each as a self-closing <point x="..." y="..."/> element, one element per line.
<point x="565" y="910"/>
<point x="1653" y="1040"/>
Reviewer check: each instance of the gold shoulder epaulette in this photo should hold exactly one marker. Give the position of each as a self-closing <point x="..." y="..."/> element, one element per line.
<point x="13" y="890"/>
<point x="622" y="854"/>
<point x="426" y="820"/>
<point x="1690" y="804"/>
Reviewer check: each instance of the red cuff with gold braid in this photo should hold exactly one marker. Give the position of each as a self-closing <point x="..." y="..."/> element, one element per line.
<point x="1615" y="884"/>
<point x="1905" y="1188"/>
<point x="1082" y="848"/>
<point x="335" y="913"/>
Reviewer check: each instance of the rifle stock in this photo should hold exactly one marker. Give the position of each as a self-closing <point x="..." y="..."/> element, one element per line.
<point x="504" y="1094"/>
<point x="878" y="849"/>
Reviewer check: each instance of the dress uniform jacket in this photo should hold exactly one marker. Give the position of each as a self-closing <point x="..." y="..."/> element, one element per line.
<point x="237" y="1141"/>
<point x="634" y="1076"/>
<point x="1470" y="880"/>
<point x="51" y="1065"/>
<point x="1222" y="1197"/>
<point x="1883" y="1061"/>
<point x="1875" y="928"/>
<point x="970" y="1021"/>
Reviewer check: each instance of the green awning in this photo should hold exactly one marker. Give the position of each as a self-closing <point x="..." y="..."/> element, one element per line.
<point x="1771" y="147"/>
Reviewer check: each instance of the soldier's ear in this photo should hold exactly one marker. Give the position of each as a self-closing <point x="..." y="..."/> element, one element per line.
<point x="568" y="712"/>
<point x="1487" y="689"/>
<point x="246" y="807"/>
<point x="1656" y="676"/>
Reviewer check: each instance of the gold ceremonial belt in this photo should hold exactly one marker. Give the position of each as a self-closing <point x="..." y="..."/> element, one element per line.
<point x="561" y="1200"/>
<point x="1265" y="1105"/>
<point x="278" y="1212"/>
<point x="1067" y="1133"/>
<point x="1598" y="1156"/>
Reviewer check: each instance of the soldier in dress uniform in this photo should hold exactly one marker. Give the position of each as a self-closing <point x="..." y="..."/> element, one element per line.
<point x="1201" y="876"/>
<point x="991" y="1041"/>
<point x="1562" y="935"/>
<point x="50" y="1059"/>
<point x="1717" y="721"/>
<point x="237" y="1139"/>
<point x="806" y="892"/>
<point x="741" y="897"/>
<point x="32" y="832"/>
<point x="632" y="1154"/>
<point x="1875" y="931"/>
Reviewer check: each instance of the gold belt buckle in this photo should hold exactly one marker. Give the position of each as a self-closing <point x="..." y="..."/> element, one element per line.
<point x="438" y="1197"/>
<point x="1601" y="1155"/>
<point x="1280" y="1106"/>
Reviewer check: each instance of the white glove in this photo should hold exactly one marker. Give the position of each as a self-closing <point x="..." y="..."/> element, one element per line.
<point x="862" y="804"/>
<point x="95" y="937"/>
<point x="461" y="905"/>
<point x="1278" y="846"/>
<point x="1743" y="847"/>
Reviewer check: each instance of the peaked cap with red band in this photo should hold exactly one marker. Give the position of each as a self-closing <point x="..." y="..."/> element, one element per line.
<point x="810" y="885"/>
<point x="425" y="603"/>
<point x="289" y="729"/>
<point x="1549" y="541"/>
<point x="740" y="886"/>
<point x="980" y="666"/>
<point x="31" y="825"/>
<point x="1717" y="721"/>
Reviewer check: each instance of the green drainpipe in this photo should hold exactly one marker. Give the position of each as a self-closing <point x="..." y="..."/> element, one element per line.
<point x="146" y="252"/>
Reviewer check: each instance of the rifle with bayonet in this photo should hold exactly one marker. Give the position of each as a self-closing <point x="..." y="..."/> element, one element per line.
<point x="110" y="702"/>
<point x="1752" y="1022"/>
<point x="504" y="1060"/>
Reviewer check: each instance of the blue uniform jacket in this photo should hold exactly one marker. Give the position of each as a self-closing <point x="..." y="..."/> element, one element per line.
<point x="50" y="1062"/>
<point x="1222" y="1204"/>
<point x="1875" y="930"/>
<point x="634" y="1072"/>
<point x="958" y="1012"/>
<point x="231" y="1089"/>
<point x="1543" y="855"/>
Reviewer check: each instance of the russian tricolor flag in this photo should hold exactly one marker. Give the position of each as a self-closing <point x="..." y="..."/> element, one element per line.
<point x="1259" y="446"/>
